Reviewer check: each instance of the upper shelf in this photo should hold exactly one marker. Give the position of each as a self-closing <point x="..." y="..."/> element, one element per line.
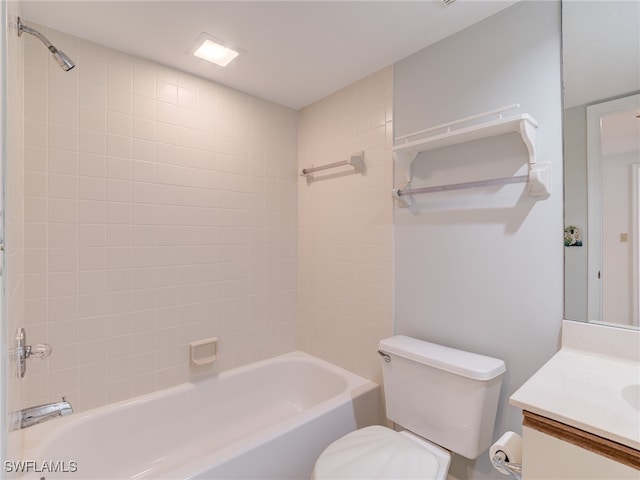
<point x="405" y="153"/>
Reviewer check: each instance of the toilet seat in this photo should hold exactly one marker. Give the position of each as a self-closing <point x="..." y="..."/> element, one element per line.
<point x="378" y="452"/>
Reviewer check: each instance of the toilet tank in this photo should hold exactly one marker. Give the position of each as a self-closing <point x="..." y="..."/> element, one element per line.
<point x="447" y="396"/>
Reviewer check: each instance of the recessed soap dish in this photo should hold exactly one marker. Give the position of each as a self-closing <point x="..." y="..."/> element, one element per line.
<point x="203" y="352"/>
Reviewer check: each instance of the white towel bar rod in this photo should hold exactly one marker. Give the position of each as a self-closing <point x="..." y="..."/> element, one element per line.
<point x="462" y="186"/>
<point x="306" y="171"/>
<point x="462" y="120"/>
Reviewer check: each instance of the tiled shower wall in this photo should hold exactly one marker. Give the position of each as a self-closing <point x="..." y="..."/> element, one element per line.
<point x="13" y="310"/>
<point x="160" y="208"/>
<point x="346" y="226"/>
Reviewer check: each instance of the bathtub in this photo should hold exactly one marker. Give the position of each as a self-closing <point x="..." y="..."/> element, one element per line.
<point x="267" y="420"/>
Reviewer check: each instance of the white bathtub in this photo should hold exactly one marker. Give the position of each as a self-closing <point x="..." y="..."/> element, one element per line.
<point x="268" y="420"/>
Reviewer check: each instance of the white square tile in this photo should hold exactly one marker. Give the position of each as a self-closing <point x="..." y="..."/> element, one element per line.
<point x="35" y="158"/>
<point x="63" y="138"/>
<point x="63" y="260"/>
<point x="119" y="168"/>
<point x="92" y="165"/>
<point x="119" y="190"/>
<point x="92" y="188"/>
<point x="119" y="123"/>
<point x="119" y="99"/>
<point x="119" y="257"/>
<point x="92" y="118"/>
<point x="35" y="134"/>
<point x="93" y="142"/>
<point x="92" y="235"/>
<point x="63" y="162"/>
<point x="92" y="282"/>
<point x="167" y="92"/>
<point x="92" y="329"/>
<point x="35" y="260"/>
<point x="60" y="284"/>
<point x="60" y="235"/>
<point x="119" y="146"/>
<point x="118" y="302"/>
<point x="92" y="212"/>
<point x="144" y="78"/>
<point x="144" y="129"/>
<point x="119" y="212"/>
<point x="92" y="258"/>
<point x="35" y="184"/>
<point x="144" y="107"/>
<point x="144" y="150"/>
<point x="63" y="186"/>
<point x="61" y="210"/>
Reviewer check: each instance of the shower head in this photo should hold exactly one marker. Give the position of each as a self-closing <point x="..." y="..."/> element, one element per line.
<point x="61" y="58"/>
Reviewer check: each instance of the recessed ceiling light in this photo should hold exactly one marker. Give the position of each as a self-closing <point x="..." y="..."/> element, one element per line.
<point x="212" y="50"/>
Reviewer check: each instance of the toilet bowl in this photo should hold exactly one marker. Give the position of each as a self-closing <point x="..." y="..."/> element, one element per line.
<point x="377" y="452"/>
<point x="442" y="397"/>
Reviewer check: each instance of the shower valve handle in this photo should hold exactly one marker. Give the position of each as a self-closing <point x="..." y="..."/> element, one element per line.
<point x="41" y="350"/>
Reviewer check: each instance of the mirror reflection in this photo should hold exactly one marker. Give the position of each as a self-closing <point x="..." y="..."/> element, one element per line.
<point x="601" y="77"/>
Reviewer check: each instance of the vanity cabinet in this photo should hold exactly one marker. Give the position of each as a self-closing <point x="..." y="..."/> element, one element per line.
<point x="581" y="409"/>
<point x="553" y="450"/>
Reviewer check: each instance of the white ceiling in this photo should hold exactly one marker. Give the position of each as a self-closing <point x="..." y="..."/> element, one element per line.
<point x="292" y="52"/>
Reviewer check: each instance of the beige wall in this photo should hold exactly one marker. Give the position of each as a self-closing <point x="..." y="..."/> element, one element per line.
<point x="160" y="208"/>
<point x="346" y="226"/>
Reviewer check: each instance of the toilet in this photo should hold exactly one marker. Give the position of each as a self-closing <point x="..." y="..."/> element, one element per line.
<point x="444" y="400"/>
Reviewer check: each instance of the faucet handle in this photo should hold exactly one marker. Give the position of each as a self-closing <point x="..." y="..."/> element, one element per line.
<point x="40" y="350"/>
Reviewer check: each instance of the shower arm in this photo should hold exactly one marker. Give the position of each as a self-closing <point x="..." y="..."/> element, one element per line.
<point x="60" y="57"/>
<point x="25" y="28"/>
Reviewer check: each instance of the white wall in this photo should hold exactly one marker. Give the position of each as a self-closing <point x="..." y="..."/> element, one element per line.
<point x="482" y="270"/>
<point x="617" y="255"/>
<point x="160" y="208"/>
<point x="346" y="272"/>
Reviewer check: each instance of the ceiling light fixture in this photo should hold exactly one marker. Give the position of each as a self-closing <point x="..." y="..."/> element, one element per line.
<point x="212" y="50"/>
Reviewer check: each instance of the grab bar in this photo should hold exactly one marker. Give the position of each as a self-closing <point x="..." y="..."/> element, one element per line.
<point x="356" y="161"/>
<point x="307" y="171"/>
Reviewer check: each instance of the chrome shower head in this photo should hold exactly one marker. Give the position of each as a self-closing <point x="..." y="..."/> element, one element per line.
<point x="61" y="58"/>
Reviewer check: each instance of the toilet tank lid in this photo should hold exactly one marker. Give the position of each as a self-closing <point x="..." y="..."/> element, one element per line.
<point x="466" y="364"/>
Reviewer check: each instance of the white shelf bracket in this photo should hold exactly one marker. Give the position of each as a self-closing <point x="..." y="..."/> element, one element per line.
<point x="528" y="134"/>
<point x="540" y="179"/>
<point x="402" y="201"/>
<point x="404" y="161"/>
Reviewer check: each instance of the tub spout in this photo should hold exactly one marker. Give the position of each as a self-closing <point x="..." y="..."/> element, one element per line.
<point x="41" y="413"/>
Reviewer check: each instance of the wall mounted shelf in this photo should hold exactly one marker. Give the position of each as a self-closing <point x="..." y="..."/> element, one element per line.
<point x="404" y="154"/>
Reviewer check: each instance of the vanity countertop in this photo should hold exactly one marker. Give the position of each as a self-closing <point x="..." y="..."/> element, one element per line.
<point x="595" y="393"/>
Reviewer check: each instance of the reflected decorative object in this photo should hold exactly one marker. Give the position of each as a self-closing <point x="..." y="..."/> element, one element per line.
<point x="572" y="236"/>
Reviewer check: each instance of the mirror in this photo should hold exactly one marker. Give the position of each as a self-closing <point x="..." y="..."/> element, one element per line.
<point x="601" y="122"/>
